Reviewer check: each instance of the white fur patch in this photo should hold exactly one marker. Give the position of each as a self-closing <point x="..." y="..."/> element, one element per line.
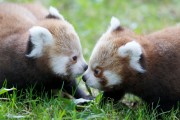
<point x="78" y="68"/>
<point x="134" y="51"/>
<point x="81" y="100"/>
<point x="91" y="80"/>
<point x="114" y="24"/>
<point x="54" y="12"/>
<point x="58" y="64"/>
<point x="112" y="78"/>
<point x="39" y="37"/>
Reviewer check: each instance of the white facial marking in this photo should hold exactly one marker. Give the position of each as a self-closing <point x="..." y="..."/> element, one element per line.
<point x="134" y="51"/>
<point x="54" y="12"/>
<point x="112" y="78"/>
<point x="114" y="24"/>
<point x="39" y="37"/>
<point x="58" y="64"/>
<point x="78" y="68"/>
<point x="91" y="80"/>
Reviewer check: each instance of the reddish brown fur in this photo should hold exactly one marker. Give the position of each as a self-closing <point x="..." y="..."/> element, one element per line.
<point x="161" y="60"/>
<point x="19" y="70"/>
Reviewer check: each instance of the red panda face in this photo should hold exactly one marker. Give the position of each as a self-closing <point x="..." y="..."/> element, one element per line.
<point x="66" y="54"/>
<point x="57" y="40"/>
<point x="114" y="57"/>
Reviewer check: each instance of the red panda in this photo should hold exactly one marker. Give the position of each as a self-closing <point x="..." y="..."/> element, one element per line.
<point x="145" y="65"/>
<point x="39" y="48"/>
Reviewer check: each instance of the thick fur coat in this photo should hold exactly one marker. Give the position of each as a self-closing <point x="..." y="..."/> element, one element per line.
<point x="39" y="48"/>
<point x="145" y="65"/>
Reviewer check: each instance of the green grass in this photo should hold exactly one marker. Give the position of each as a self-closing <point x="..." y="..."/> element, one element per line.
<point x="90" y="19"/>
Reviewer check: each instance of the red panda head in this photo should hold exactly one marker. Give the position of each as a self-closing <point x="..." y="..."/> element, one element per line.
<point x="55" y="40"/>
<point x="115" y="57"/>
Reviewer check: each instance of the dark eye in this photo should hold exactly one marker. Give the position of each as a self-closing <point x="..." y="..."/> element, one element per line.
<point x="97" y="72"/>
<point x="74" y="58"/>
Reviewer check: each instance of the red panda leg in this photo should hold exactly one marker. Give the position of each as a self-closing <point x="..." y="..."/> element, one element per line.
<point x="116" y="95"/>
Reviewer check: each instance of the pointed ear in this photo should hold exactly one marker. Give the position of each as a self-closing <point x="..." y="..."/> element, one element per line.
<point x="53" y="13"/>
<point x="132" y="50"/>
<point x="38" y="38"/>
<point x="114" y="24"/>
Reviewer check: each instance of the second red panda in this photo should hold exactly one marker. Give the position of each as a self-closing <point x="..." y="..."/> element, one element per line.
<point x="147" y="66"/>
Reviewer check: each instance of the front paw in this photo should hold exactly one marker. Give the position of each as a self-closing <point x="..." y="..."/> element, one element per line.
<point x="81" y="101"/>
<point x="84" y="100"/>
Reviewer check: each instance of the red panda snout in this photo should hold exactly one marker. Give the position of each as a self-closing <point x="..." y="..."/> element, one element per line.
<point x="79" y="67"/>
<point x="104" y="81"/>
<point x="63" y="65"/>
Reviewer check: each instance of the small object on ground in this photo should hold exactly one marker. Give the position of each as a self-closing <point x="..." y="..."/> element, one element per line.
<point x="81" y="101"/>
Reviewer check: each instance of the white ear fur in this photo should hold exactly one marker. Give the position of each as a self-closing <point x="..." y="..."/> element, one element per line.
<point x="114" y="24"/>
<point x="54" y="12"/>
<point x="39" y="37"/>
<point x="134" y="51"/>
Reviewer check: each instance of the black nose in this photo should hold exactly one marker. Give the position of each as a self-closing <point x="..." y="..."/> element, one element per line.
<point x="84" y="78"/>
<point x="85" y="67"/>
